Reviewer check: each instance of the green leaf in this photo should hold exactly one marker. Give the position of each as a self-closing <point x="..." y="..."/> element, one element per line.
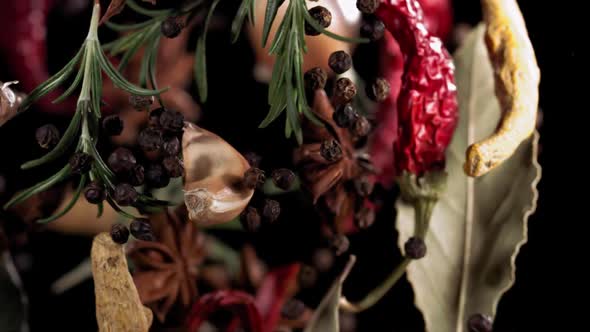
<point x="74" y="84"/>
<point x="66" y="141"/>
<point x="128" y="27"/>
<point x="12" y="307"/>
<point x="147" y="12"/>
<point x="120" y="81"/>
<point x="201" y="69"/>
<point x="52" y="83"/>
<point x="39" y="187"/>
<point x="478" y="225"/>
<point x="272" y="7"/>
<point x="70" y="205"/>
<point x="325" y="316"/>
<point x="236" y="26"/>
<point x="201" y="57"/>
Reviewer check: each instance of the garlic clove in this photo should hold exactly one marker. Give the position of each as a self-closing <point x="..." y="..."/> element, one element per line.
<point x="213" y="190"/>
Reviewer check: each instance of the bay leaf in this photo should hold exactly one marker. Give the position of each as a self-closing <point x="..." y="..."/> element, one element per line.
<point x="325" y="317"/>
<point x="478" y="225"/>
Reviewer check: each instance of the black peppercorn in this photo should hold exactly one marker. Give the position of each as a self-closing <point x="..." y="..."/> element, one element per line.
<point x="173" y="166"/>
<point x="364" y="186"/>
<point x="315" y="79"/>
<point x="150" y="139"/>
<point x="331" y="150"/>
<point x="344" y="116"/>
<point x="379" y="90"/>
<point x="80" y="162"/>
<point x="415" y="248"/>
<point x="372" y="28"/>
<point x="253" y="158"/>
<point x="172" y="146"/>
<point x="140" y="103"/>
<point x="344" y="90"/>
<point x="112" y="125"/>
<point x="121" y="161"/>
<point x="172" y="121"/>
<point x="154" y="117"/>
<point x="47" y="136"/>
<point x="323" y="259"/>
<point x="171" y="27"/>
<point x="250" y="219"/>
<point x="361" y="127"/>
<point x="364" y="218"/>
<point x="292" y="309"/>
<point x="283" y="178"/>
<point x="136" y="176"/>
<point x="125" y="194"/>
<point x="480" y="323"/>
<point x="253" y="178"/>
<point x="141" y="229"/>
<point x="340" y="62"/>
<point x="156" y="176"/>
<point x="340" y="244"/>
<point x="322" y="16"/>
<point x="119" y="233"/>
<point x="271" y="210"/>
<point x="94" y="193"/>
<point x="367" y="6"/>
<point x="307" y="276"/>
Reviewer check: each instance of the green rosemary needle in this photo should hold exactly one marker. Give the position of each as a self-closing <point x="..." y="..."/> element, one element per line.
<point x="92" y="63"/>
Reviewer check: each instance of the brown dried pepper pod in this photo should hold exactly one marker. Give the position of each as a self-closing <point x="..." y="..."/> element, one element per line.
<point x="517" y="86"/>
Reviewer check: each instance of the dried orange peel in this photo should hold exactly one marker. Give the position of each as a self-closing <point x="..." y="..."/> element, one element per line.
<point x="517" y="78"/>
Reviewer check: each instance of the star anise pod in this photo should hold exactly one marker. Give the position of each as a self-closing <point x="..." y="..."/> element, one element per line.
<point x="167" y="269"/>
<point x="329" y="160"/>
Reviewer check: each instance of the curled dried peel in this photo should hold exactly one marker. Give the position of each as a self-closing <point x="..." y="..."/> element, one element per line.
<point x="9" y="101"/>
<point x="517" y="86"/>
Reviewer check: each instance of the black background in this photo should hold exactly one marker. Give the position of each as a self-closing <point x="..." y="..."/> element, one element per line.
<point x="542" y="296"/>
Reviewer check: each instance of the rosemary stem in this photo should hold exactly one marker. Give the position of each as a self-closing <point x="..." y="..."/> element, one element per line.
<point x="93" y="30"/>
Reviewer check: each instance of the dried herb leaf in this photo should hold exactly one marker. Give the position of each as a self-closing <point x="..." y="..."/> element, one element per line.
<point x="114" y="8"/>
<point x="479" y="224"/>
<point x="325" y="317"/>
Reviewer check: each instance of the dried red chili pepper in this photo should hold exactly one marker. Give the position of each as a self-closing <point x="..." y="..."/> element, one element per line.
<point x="438" y="21"/>
<point x="426" y="108"/>
<point x="438" y="17"/>
<point x="238" y="302"/>
<point x="427" y="104"/>
<point x="23" y="45"/>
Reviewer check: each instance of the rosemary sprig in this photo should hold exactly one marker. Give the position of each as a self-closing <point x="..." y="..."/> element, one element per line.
<point x="246" y="10"/>
<point x="286" y="90"/>
<point x="92" y="63"/>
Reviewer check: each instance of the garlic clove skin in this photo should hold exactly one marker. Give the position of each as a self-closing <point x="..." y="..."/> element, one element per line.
<point x="214" y="170"/>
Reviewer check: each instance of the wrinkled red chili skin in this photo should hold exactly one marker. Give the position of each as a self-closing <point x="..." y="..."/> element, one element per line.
<point x="427" y="104"/>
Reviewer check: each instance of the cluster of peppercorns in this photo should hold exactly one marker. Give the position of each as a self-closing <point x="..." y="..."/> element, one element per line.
<point x="262" y="209"/>
<point x="140" y="228"/>
<point x="344" y="92"/>
<point x="160" y="145"/>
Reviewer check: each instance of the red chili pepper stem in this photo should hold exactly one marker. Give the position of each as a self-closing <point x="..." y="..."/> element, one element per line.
<point x="423" y="193"/>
